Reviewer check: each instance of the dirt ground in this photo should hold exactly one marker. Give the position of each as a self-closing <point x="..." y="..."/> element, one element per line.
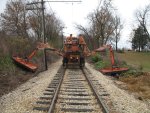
<point x="9" y="83"/>
<point x="138" y="84"/>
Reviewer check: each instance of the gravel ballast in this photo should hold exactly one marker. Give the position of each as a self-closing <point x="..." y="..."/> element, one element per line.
<point x="22" y="99"/>
<point x="122" y="100"/>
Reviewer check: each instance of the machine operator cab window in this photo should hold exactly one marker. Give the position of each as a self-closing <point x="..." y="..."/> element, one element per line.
<point x="74" y="41"/>
<point x="69" y="39"/>
<point x="81" y="42"/>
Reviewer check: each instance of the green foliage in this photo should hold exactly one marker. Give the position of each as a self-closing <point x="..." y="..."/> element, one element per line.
<point x="120" y="50"/>
<point x="6" y="64"/>
<point x="140" y="39"/>
<point x="140" y="68"/>
<point x="39" y="54"/>
<point x="132" y="71"/>
<point x="101" y="64"/>
<point x="96" y="58"/>
<point x="122" y="64"/>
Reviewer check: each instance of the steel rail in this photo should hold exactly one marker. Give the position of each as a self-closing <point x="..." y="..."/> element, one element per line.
<point x="102" y="104"/>
<point x="51" y="108"/>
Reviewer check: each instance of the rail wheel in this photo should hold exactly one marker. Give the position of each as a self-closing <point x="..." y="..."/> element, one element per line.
<point x="65" y="62"/>
<point x="82" y="62"/>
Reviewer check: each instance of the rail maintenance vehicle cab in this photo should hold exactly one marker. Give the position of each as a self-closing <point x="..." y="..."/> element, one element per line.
<point x="74" y="51"/>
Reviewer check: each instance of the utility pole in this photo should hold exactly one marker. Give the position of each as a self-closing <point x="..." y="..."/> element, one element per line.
<point x="43" y="27"/>
<point x="24" y="20"/>
<point x="44" y="38"/>
<point x="62" y="39"/>
<point x="43" y="21"/>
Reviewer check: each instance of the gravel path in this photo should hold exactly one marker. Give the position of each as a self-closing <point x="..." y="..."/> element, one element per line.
<point x="123" y="101"/>
<point x="25" y="96"/>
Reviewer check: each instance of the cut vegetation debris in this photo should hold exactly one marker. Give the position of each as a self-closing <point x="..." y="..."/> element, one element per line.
<point x="139" y="84"/>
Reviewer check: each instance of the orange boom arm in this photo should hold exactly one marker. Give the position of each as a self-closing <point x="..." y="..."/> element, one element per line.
<point x="32" y="54"/>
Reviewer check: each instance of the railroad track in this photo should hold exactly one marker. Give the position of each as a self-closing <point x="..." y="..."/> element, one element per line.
<point x="72" y="91"/>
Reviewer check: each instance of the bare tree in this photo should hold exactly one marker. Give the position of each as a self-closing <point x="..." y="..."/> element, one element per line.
<point x="35" y="21"/>
<point x="143" y="18"/>
<point x="88" y="34"/>
<point x="102" y="23"/>
<point x="13" y="19"/>
<point x="54" y="28"/>
<point x="117" y="31"/>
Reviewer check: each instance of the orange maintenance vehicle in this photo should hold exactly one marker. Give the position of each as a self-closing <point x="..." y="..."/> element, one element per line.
<point x="74" y="51"/>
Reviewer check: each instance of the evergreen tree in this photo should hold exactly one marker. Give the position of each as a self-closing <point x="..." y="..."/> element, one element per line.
<point x="140" y="39"/>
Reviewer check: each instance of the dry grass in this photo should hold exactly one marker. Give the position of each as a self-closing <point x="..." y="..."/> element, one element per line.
<point x="139" y="84"/>
<point x="136" y="59"/>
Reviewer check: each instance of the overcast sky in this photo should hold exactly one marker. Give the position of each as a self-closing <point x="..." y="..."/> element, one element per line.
<point x="77" y="12"/>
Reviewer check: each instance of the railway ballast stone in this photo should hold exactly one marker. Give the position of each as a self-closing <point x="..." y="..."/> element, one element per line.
<point x="122" y="100"/>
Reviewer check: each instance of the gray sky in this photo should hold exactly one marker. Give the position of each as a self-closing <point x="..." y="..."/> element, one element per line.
<point x="2" y="3"/>
<point x="76" y="13"/>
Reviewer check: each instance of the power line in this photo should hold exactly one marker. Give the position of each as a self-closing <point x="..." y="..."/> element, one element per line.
<point x="50" y="8"/>
<point x="63" y="1"/>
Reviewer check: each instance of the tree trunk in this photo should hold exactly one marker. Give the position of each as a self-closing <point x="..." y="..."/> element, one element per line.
<point x="116" y="44"/>
<point x="139" y="48"/>
<point x="98" y="43"/>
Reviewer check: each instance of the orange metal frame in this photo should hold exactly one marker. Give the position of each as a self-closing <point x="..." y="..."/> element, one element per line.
<point x="113" y="69"/>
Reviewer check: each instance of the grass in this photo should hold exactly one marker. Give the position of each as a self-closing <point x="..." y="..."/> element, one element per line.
<point x="7" y="65"/>
<point x="137" y="59"/>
